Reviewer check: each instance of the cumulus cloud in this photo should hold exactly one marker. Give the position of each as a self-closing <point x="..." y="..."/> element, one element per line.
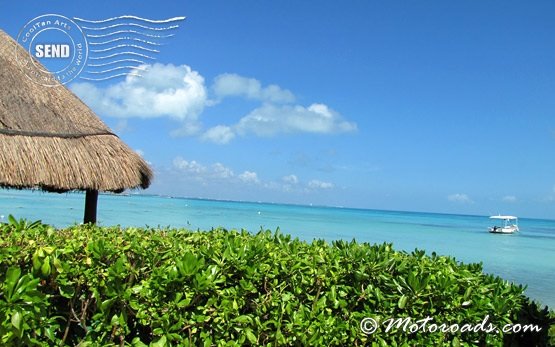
<point x="226" y="85"/>
<point x="222" y="171"/>
<point x="176" y="92"/>
<point x="201" y="171"/>
<point x="460" y="198"/>
<point x="290" y="179"/>
<point x="270" y="120"/>
<point x="289" y="183"/>
<point x="219" y="134"/>
<point x="317" y="184"/>
<point x="276" y="115"/>
<point x="179" y="93"/>
<point x="219" y="175"/>
<point x="249" y="177"/>
<point x="214" y="171"/>
<point x="188" y="166"/>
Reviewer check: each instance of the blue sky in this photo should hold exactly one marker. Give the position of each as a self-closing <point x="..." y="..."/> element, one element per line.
<point x="402" y="105"/>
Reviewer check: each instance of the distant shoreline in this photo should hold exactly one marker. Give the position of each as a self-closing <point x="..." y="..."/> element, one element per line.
<point x="140" y="194"/>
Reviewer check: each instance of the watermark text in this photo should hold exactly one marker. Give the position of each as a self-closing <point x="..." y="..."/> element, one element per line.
<point x="427" y="325"/>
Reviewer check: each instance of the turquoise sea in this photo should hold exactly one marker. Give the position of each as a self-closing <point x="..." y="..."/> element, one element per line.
<point x="526" y="258"/>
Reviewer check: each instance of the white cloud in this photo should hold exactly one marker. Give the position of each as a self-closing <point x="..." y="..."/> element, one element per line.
<point x="270" y="120"/>
<point x="218" y="180"/>
<point x="290" y="179"/>
<point x="216" y="171"/>
<point x="219" y="134"/>
<point x="179" y="93"/>
<point x="509" y="198"/>
<point x="460" y="198"/>
<point x="226" y="85"/>
<point x="290" y="183"/>
<point x="276" y="115"/>
<point x="188" y="166"/>
<point x="162" y="91"/>
<point x="316" y="184"/>
<point x="221" y="171"/>
<point x="249" y="177"/>
<point x="203" y="172"/>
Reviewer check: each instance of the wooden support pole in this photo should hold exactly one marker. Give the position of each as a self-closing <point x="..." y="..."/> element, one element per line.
<point x="91" y="200"/>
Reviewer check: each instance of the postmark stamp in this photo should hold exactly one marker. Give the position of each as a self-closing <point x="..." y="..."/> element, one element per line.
<point x="59" y="49"/>
<point x="56" y="49"/>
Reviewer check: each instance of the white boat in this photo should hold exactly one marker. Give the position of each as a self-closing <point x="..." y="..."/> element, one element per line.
<point x="510" y="225"/>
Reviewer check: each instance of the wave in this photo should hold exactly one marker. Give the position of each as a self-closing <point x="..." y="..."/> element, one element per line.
<point x="130" y="17"/>
<point x="131" y="24"/>
<point x="129" y="32"/>
<point x="110" y="77"/>
<point x="129" y="38"/>
<point x="129" y="60"/>
<point x="131" y="67"/>
<point x="122" y="53"/>
<point x="124" y="43"/>
<point x="124" y="46"/>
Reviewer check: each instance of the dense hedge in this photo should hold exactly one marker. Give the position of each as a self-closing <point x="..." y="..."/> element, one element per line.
<point x="97" y="286"/>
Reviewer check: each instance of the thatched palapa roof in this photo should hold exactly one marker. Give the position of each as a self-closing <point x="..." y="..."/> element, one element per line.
<point x="49" y="139"/>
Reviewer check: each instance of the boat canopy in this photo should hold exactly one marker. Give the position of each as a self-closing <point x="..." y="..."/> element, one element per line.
<point x="503" y="217"/>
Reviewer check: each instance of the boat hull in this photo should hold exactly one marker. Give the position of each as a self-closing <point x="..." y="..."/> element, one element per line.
<point x="503" y="230"/>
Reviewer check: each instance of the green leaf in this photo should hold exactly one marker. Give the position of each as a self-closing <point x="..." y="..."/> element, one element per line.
<point x="136" y="342"/>
<point x="45" y="269"/>
<point x="13" y="221"/>
<point x="160" y="343"/>
<point x="402" y="301"/>
<point x="36" y="261"/>
<point x="49" y="250"/>
<point x="251" y="337"/>
<point x="467" y="292"/>
<point x="243" y="319"/>
<point x="16" y="320"/>
<point x="106" y="304"/>
<point x="58" y="265"/>
<point x="280" y="338"/>
<point x="12" y="277"/>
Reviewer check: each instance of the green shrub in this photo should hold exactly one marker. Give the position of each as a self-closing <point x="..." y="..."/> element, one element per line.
<point x="88" y="285"/>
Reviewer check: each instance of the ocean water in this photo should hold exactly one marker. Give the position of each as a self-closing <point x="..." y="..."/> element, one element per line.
<point x="526" y="258"/>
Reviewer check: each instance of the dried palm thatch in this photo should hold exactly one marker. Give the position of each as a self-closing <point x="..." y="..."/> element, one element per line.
<point x="50" y="140"/>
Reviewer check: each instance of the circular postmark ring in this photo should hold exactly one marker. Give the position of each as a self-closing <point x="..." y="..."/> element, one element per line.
<point x="56" y="50"/>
